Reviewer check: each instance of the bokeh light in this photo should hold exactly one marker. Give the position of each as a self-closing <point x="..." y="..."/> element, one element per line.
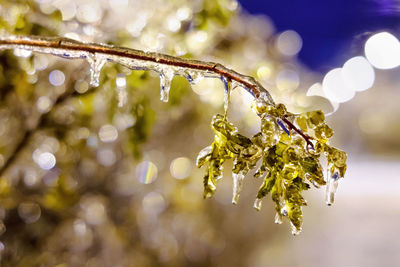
<point x="105" y="156"/>
<point x="108" y="133"/>
<point x="29" y="211"/>
<point x="383" y="50"/>
<point x="289" y="43"/>
<point x="287" y="80"/>
<point x="153" y="203"/>
<point x="335" y="87"/>
<point x="44" y="104"/>
<point x="146" y="172"/>
<point x="46" y="160"/>
<point x="57" y="77"/>
<point x="358" y="74"/>
<point x="181" y="168"/>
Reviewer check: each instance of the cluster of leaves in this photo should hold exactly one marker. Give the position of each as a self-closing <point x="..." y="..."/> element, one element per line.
<point x="290" y="160"/>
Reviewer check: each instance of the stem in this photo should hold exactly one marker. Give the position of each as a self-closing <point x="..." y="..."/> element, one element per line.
<point x="306" y="137"/>
<point x="57" y="43"/>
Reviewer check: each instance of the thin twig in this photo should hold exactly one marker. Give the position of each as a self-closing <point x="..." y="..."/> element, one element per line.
<point x="306" y="137"/>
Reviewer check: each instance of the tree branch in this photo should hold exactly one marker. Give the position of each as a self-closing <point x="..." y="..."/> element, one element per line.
<point x="63" y="46"/>
<point x="59" y="45"/>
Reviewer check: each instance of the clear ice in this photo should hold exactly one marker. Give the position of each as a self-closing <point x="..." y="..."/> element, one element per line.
<point x="166" y="76"/>
<point x="96" y="62"/>
<point x="257" y="203"/>
<point x="227" y="93"/>
<point x="237" y="186"/>
<point x="331" y="186"/>
<point x="295" y="231"/>
<point x="278" y="218"/>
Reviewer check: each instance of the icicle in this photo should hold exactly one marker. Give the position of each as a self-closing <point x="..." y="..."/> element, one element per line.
<point x="227" y="93"/>
<point x="166" y="76"/>
<point x="257" y="203"/>
<point x="194" y="77"/>
<point x="122" y="95"/>
<point x="237" y="186"/>
<point x="278" y="218"/>
<point x="295" y="231"/>
<point x="96" y="62"/>
<point x="331" y="186"/>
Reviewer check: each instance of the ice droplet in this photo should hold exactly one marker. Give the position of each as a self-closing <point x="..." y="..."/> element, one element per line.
<point x="202" y="155"/>
<point x="166" y="77"/>
<point x="278" y="218"/>
<point x="257" y="203"/>
<point x="331" y="184"/>
<point x="295" y="231"/>
<point x="227" y="93"/>
<point x="237" y="186"/>
<point x="96" y="62"/>
<point x="331" y="187"/>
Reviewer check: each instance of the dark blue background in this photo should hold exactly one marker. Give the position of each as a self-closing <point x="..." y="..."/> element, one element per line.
<point x="332" y="30"/>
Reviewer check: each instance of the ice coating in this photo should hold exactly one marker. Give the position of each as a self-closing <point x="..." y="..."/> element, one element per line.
<point x="192" y="70"/>
<point x="257" y="204"/>
<point x="96" y="62"/>
<point x="237" y="186"/>
<point x="331" y="187"/>
<point x="166" y="76"/>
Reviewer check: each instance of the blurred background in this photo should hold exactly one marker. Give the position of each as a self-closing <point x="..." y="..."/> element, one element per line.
<point x="106" y="177"/>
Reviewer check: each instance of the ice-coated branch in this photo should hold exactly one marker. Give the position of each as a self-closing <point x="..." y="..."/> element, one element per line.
<point x="167" y="66"/>
<point x="135" y="59"/>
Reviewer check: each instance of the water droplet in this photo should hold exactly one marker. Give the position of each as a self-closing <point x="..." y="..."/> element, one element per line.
<point x="257" y="203"/>
<point x="96" y="62"/>
<point x="166" y="77"/>
<point x="237" y="186"/>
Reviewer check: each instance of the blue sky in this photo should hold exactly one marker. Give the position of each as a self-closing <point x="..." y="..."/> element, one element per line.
<point x="332" y="30"/>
